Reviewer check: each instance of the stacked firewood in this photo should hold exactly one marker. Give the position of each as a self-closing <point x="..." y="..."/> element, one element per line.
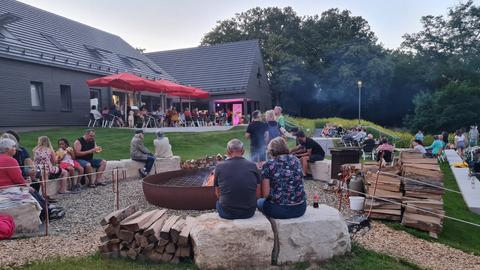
<point x="423" y="185"/>
<point x="206" y="162"/>
<point x="384" y="196"/>
<point x="152" y="235"/>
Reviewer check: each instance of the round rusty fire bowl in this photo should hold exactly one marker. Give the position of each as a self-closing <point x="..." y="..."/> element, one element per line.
<point x="178" y="197"/>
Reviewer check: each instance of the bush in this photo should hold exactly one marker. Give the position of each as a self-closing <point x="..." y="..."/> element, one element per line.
<point x="402" y="139"/>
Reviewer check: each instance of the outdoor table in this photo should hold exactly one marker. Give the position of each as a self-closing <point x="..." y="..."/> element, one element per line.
<point x="326" y="143"/>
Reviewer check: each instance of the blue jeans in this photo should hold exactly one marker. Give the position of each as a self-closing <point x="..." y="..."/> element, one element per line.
<point x="229" y="215"/>
<point x="270" y="209"/>
<point x="149" y="164"/>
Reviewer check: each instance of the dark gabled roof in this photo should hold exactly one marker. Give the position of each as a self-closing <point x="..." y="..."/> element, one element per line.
<point x="217" y="68"/>
<point x="46" y="38"/>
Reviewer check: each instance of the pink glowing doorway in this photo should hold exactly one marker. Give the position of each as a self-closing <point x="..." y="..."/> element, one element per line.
<point x="237" y="113"/>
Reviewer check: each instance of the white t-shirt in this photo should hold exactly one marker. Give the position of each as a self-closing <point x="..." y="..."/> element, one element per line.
<point x="460" y="138"/>
<point x="420" y="149"/>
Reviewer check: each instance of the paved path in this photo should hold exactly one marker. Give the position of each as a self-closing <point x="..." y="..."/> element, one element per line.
<point x="187" y="129"/>
<point x="426" y="254"/>
<point x="469" y="185"/>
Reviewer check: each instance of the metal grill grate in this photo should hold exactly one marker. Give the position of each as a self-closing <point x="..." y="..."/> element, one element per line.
<point x="189" y="180"/>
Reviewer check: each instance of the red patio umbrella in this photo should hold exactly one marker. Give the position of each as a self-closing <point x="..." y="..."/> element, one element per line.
<point x="193" y="93"/>
<point x="126" y="81"/>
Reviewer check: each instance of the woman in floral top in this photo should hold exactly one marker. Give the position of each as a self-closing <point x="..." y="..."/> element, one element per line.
<point x="45" y="157"/>
<point x="282" y="186"/>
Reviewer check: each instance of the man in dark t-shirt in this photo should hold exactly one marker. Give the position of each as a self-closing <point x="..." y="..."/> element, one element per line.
<point x="256" y="132"/>
<point x="237" y="184"/>
<point x="314" y="152"/>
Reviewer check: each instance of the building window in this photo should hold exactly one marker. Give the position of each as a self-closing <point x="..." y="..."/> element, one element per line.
<point x="55" y="43"/>
<point x="98" y="54"/>
<point x="65" y="98"/>
<point x="36" y="94"/>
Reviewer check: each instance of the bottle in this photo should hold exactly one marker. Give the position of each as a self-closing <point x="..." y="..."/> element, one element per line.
<point x="316" y="198"/>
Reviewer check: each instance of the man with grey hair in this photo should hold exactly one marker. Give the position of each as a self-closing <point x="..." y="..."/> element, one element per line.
<point x="279" y="116"/>
<point x="163" y="149"/>
<point x="237" y="184"/>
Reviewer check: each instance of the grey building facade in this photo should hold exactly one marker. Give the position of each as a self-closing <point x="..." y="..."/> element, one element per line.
<point x="45" y="60"/>
<point x="233" y="73"/>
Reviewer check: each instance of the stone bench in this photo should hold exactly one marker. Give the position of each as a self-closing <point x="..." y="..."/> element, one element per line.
<point x="318" y="235"/>
<point x="232" y="244"/>
<point x="132" y="166"/>
<point x="26" y="218"/>
<point x="321" y="170"/>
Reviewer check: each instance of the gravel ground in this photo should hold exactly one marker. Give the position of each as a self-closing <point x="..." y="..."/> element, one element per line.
<point x="78" y="233"/>
<point x="428" y="255"/>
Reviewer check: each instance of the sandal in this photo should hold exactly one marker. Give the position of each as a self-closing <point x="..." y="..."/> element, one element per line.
<point x="56" y="215"/>
<point x="92" y="186"/>
<point x="51" y="200"/>
<point x="101" y="184"/>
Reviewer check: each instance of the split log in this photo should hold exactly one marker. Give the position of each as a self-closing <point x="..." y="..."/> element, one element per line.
<point x="154" y="256"/>
<point x="136" y="223"/>
<point x="421" y="222"/>
<point x="132" y="254"/>
<point x="126" y="235"/>
<point x="117" y="216"/>
<point x="153" y="218"/>
<point x="176" y="229"/>
<point x="185" y="251"/>
<point x="112" y="230"/>
<point x="166" y="257"/>
<point x="170" y="248"/>
<point x="184" y="234"/>
<point x="174" y="260"/>
<point x="165" y="231"/>
<point x="153" y="232"/>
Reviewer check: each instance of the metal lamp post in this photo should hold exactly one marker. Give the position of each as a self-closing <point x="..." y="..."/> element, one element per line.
<point x="359" y="84"/>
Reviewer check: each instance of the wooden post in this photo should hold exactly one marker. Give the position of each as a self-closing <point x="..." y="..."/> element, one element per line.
<point x="45" y="195"/>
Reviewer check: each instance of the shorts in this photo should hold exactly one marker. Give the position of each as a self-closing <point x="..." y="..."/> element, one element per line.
<point x="55" y="172"/>
<point x="314" y="158"/>
<point x="65" y="165"/>
<point x="461" y="145"/>
<point x="94" y="162"/>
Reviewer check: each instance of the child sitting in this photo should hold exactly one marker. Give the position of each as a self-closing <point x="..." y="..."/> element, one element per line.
<point x="66" y="157"/>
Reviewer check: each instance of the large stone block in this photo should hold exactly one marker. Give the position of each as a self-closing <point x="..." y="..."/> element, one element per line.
<point x="26" y="217"/>
<point x="131" y="166"/>
<point x="232" y="244"/>
<point x="321" y="170"/>
<point x="318" y="235"/>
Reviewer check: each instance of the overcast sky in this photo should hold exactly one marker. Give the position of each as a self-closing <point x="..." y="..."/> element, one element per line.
<point x="161" y="25"/>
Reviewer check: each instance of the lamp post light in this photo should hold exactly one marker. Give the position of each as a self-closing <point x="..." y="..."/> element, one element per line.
<point x="359" y="84"/>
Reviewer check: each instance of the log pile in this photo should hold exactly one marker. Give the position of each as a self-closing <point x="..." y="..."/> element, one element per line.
<point x="423" y="186"/>
<point x="384" y="196"/>
<point x="148" y="236"/>
<point x="206" y="162"/>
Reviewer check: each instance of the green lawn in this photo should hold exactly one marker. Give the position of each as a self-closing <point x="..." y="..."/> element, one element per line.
<point x="116" y="142"/>
<point x="456" y="234"/>
<point x="360" y="259"/>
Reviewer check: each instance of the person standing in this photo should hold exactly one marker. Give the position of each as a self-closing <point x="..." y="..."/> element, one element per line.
<point x="85" y="147"/>
<point x="279" y="117"/>
<point x="257" y="133"/>
<point x="273" y="127"/>
<point x="419" y="136"/>
<point x="460" y="142"/>
<point x="237" y="184"/>
<point x="445" y="138"/>
<point x="314" y="152"/>
<point x="473" y="136"/>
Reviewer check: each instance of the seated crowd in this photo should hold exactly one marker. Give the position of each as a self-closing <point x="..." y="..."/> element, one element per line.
<point x="170" y="117"/>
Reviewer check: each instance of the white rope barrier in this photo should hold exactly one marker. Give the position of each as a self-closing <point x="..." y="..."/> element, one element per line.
<point x="421" y="182"/>
<point x="413" y="207"/>
<point x="58" y="179"/>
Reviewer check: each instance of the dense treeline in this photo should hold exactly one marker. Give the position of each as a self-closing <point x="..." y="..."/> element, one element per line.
<point x="314" y="63"/>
